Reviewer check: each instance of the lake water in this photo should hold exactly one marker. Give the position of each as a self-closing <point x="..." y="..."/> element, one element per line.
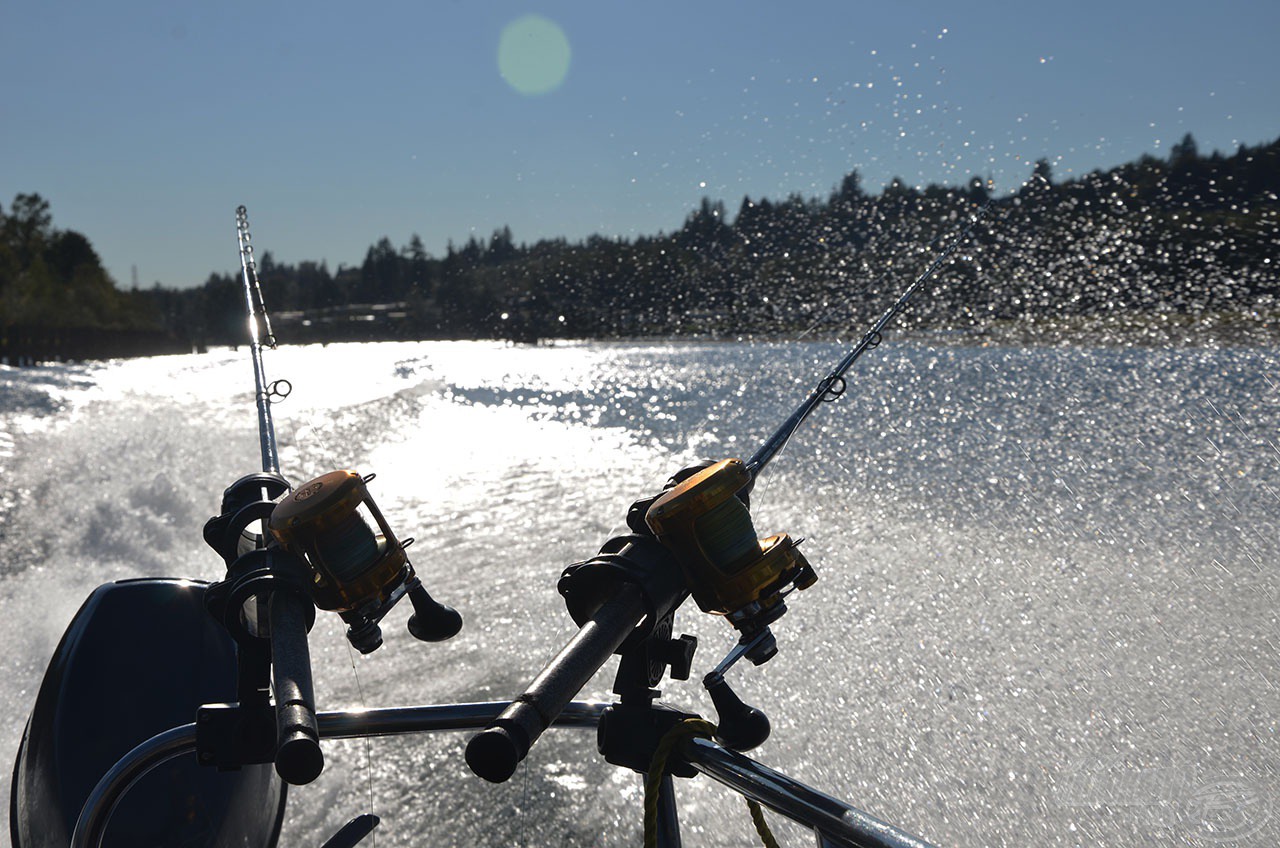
<point x="1046" y="612"/>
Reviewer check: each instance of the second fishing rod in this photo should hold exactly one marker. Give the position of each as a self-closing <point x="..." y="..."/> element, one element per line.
<point x="695" y="537"/>
<point x="290" y="550"/>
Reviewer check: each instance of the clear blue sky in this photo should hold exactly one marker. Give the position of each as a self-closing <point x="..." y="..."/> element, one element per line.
<point x="146" y="123"/>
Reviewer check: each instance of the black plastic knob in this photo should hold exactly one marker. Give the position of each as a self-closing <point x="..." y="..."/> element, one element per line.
<point x="741" y="727"/>
<point x="678" y="654"/>
<point x="432" y="621"/>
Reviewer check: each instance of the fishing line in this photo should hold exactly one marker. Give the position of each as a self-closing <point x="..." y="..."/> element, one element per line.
<point x="368" y="741"/>
<point x="524" y="801"/>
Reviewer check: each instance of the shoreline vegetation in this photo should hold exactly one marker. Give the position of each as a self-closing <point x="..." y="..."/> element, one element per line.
<point x="1176" y="251"/>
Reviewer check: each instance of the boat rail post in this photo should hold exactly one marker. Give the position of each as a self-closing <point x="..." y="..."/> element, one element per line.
<point x="834" y="822"/>
<point x="668" y="814"/>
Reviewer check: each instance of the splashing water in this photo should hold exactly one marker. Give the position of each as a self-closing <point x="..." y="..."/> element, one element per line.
<point x="1045" y="613"/>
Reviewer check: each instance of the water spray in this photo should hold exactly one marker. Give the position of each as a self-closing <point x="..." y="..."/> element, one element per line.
<point x="833" y="385"/>
<point x="703" y="517"/>
<point x="695" y="537"/>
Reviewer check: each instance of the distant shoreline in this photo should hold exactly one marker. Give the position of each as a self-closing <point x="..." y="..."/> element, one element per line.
<point x="59" y="345"/>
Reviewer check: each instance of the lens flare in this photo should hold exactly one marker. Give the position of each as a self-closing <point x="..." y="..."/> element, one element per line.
<point x="533" y="55"/>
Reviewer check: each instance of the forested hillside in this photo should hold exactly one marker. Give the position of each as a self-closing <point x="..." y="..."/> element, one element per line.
<point x="1189" y="237"/>
<point x="57" y="301"/>
<point x="1174" y="241"/>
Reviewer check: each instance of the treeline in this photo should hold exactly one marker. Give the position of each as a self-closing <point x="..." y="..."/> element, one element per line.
<point x="56" y="299"/>
<point x="1179" y="238"/>
<point x="1182" y="238"/>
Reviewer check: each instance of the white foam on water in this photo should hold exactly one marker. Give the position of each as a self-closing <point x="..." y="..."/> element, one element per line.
<point x="1045" y="612"/>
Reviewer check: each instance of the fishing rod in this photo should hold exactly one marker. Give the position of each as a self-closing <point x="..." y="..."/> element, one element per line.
<point x="703" y="516"/>
<point x="695" y="538"/>
<point x="833" y="385"/>
<point x="259" y="330"/>
<point x="324" y="544"/>
<point x="358" y="567"/>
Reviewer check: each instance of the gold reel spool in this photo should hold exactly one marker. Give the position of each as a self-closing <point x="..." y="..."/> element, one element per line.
<point x="730" y="570"/>
<point x="323" y="521"/>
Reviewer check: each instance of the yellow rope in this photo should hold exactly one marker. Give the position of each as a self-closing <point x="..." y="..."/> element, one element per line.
<point x="762" y="826"/>
<point x="687" y="729"/>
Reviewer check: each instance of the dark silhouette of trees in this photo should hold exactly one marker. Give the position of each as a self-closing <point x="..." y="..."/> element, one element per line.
<point x="54" y="278"/>
<point x="1042" y="171"/>
<point x="1189" y="235"/>
<point x="1184" y="151"/>
<point x="1176" y="238"/>
<point x="56" y="299"/>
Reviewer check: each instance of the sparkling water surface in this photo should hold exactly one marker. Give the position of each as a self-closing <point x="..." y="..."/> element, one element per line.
<point x="1045" y="615"/>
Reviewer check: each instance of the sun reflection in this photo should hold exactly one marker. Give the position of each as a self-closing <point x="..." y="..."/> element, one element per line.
<point x="533" y="55"/>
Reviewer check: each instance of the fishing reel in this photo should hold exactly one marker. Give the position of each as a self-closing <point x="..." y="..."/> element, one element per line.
<point x="702" y="517"/>
<point x="356" y="571"/>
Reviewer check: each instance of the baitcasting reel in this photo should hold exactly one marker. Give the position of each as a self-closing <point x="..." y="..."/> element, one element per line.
<point x="702" y="518"/>
<point x="701" y="525"/>
<point x="356" y="571"/>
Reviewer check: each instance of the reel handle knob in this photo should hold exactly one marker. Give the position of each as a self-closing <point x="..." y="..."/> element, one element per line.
<point x="742" y="726"/>
<point x="432" y="621"/>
